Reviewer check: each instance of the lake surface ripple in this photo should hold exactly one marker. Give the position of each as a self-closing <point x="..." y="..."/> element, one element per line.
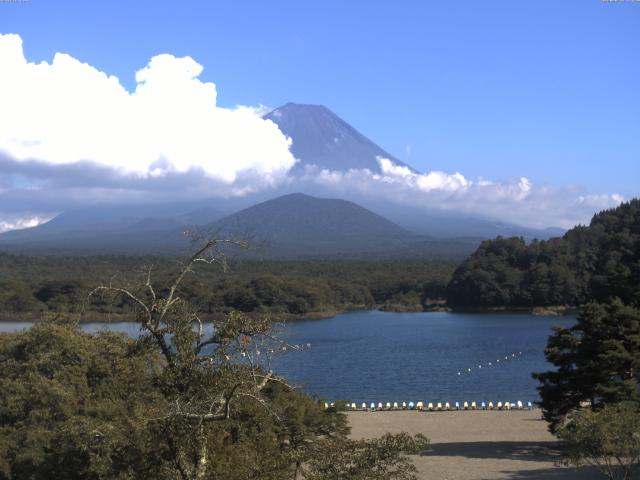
<point x="374" y="356"/>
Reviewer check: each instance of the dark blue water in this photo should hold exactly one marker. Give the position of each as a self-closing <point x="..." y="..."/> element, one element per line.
<point x="384" y="357"/>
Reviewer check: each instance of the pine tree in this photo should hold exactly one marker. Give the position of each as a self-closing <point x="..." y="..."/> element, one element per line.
<point x="597" y="360"/>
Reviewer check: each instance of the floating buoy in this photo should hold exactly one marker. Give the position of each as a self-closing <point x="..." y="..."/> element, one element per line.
<point x="458" y="373"/>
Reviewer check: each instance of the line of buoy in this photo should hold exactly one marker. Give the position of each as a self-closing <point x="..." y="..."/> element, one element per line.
<point x="434" y="407"/>
<point x="490" y="364"/>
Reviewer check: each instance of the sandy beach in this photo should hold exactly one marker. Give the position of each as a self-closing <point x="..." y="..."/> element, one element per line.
<point x="476" y="445"/>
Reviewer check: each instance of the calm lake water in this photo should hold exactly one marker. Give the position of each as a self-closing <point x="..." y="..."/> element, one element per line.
<point x="374" y="356"/>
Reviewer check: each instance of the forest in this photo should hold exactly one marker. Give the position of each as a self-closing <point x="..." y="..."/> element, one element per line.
<point x="31" y="286"/>
<point x="589" y="263"/>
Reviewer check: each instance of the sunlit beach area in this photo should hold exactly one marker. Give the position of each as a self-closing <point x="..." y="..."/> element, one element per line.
<point x="476" y="445"/>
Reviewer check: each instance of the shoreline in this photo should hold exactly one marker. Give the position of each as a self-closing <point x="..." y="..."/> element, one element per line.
<point x="553" y="311"/>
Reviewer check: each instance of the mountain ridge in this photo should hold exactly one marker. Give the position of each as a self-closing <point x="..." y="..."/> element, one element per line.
<point x="322" y="138"/>
<point x="319" y="138"/>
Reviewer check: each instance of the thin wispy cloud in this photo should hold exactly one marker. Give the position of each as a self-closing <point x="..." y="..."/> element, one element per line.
<point x="11" y="222"/>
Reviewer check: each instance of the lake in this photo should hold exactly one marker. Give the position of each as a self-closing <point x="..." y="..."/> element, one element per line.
<point x="373" y="356"/>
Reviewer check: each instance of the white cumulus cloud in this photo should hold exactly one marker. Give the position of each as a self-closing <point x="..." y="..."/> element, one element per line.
<point x="67" y="111"/>
<point x="72" y="135"/>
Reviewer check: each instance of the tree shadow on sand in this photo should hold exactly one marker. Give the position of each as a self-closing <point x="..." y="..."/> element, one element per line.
<point x="528" y="451"/>
<point x="560" y="473"/>
<point x="547" y="452"/>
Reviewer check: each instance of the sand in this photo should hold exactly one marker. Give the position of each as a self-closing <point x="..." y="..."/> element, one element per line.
<point x="475" y="445"/>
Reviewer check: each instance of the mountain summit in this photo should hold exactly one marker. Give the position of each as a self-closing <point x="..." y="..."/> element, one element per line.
<point x="323" y="139"/>
<point x="301" y="226"/>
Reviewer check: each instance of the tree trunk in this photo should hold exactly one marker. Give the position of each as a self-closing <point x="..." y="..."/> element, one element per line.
<point x="201" y="467"/>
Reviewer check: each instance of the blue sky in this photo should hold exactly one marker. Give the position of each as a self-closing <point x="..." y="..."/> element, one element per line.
<point x="548" y="90"/>
<point x="544" y="89"/>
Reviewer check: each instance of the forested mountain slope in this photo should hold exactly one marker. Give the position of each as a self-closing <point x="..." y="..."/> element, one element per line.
<point x="594" y="262"/>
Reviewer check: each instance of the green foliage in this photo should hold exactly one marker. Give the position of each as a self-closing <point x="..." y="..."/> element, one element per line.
<point x="352" y="460"/>
<point x="597" y="360"/>
<point x="189" y="399"/>
<point x="72" y="405"/>
<point x="608" y="439"/>
<point x="597" y="262"/>
<point x="32" y="285"/>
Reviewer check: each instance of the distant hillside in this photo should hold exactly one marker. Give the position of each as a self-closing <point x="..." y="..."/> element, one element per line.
<point x="319" y="138"/>
<point x="448" y="224"/>
<point x="292" y="226"/>
<point x="124" y="229"/>
<point x="298" y="225"/>
<point x="322" y="138"/>
<point x="592" y="262"/>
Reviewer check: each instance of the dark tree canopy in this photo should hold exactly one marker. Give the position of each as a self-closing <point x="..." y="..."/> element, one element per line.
<point x="190" y="398"/>
<point x="597" y="360"/>
<point x="31" y="285"/>
<point x="595" y="262"/>
<point x="72" y="405"/>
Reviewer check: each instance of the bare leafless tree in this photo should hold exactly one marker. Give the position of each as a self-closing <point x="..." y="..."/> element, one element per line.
<point x="208" y="365"/>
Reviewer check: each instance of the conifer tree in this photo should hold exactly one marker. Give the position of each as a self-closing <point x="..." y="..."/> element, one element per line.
<point x="597" y="360"/>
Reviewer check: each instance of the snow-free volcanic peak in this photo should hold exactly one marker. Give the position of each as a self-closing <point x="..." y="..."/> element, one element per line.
<point x="323" y="139"/>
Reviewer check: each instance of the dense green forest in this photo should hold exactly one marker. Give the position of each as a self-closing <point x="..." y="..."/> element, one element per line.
<point x="589" y="263"/>
<point x="33" y="285"/>
<point x="177" y="402"/>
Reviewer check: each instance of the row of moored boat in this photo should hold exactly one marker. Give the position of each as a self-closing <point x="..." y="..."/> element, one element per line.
<point x="434" y="407"/>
